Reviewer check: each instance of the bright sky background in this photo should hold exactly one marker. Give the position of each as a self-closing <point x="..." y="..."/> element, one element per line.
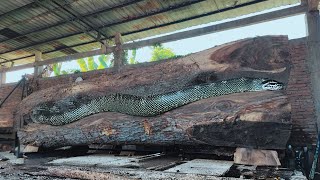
<point x="293" y="26"/>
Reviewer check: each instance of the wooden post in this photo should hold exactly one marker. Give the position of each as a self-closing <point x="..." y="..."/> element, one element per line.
<point x="2" y="78"/>
<point x="312" y="4"/>
<point x="38" y="69"/>
<point x="104" y="47"/>
<point x="313" y="60"/>
<point x="118" y="52"/>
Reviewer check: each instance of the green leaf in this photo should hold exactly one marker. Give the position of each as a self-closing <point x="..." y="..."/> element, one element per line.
<point x="91" y="64"/>
<point x="64" y="72"/>
<point x="103" y="62"/>
<point x="83" y="65"/>
<point x="159" y="52"/>
<point x="133" y="58"/>
<point x="57" y="69"/>
<point x="125" y="57"/>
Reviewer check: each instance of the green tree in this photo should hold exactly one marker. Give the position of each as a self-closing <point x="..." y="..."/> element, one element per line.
<point x="57" y="70"/>
<point x="83" y="65"/>
<point x="89" y="64"/>
<point x="103" y="60"/>
<point x="159" y="52"/>
<point x="132" y="59"/>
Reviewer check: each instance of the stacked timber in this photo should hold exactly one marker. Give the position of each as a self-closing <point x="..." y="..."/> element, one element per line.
<point x="251" y="119"/>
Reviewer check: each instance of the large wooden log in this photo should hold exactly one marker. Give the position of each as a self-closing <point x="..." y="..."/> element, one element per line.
<point x="257" y="120"/>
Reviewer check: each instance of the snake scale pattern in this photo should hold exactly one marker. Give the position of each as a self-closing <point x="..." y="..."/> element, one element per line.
<point x="72" y="109"/>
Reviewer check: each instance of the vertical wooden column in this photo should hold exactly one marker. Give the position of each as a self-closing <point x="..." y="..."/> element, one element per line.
<point x="104" y="46"/>
<point x="2" y="78"/>
<point x="313" y="60"/>
<point x="38" y="69"/>
<point x="118" y="52"/>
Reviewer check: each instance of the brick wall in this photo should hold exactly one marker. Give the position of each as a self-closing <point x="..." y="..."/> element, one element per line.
<point x="8" y="108"/>
<point x="299" y="92"/>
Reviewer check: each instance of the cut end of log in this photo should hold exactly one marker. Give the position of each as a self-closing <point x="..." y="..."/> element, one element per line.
<point x="256" y="157"/>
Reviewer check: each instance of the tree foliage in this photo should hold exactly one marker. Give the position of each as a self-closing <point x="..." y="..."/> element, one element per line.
<point x="103" y="60"/>
<point x="57" y="70"/>
<point x="132" y="59"/>
<point x="159" y="52"/>
<point x="89" y="64"/>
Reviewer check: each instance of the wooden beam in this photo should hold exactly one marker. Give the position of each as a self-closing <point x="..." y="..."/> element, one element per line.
<point x="313" y="60"/>
<point x="313" y="5"/>
<point x="178" y="36"/>
<point x="2" y="78"/>
<point x="118" y="52"/>
<point x="38" y="68"/>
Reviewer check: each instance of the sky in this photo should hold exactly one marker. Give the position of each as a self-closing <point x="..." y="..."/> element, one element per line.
<point x="293" y="26"/>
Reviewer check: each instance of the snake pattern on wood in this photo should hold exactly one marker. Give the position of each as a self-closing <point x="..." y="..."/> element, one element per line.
<point x="54" y="113"/>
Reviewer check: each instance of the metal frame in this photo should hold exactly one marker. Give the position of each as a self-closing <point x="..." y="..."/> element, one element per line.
<point x="73" y="22"/>
<point x="136" y="31"/>
<point x="109" y="25"/>
<point x="178" y="36"/>
<point x="74" y="19"/>
<point x="27" y="6"/>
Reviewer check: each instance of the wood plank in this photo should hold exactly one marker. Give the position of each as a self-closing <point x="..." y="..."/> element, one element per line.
<point x="203" y="166"/>
<point x="178" y="36"/>
<point x="256" y="157"/>
<point x="313" y="59"/>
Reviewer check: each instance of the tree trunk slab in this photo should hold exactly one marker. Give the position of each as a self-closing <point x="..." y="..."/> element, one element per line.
<point x="259" y="120"/>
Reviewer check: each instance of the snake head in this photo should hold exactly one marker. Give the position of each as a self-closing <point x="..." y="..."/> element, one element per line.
<point x="272" y="85"/>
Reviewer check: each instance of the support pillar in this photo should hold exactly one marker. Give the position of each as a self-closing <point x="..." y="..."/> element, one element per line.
<point x="38" y="69"/>
<point x="313" y="60"/>
<point x="2" y="78"/>
<point x="118" y="53"/>
<point x="104" y="46"/>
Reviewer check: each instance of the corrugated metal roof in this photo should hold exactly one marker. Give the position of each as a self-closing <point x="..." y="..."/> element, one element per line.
<point x="58" y="28"/>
